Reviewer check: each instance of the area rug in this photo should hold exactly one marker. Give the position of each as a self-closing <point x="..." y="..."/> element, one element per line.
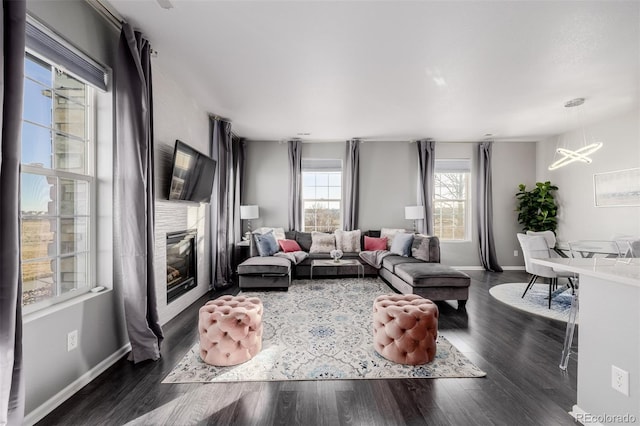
<point x="535" y="301"/>
<point x="321" y="329"/>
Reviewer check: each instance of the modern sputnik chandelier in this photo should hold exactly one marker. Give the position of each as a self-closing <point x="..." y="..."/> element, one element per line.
<point x="568" y="154"/>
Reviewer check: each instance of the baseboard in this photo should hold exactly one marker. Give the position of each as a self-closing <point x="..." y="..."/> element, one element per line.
<point x="513" y="268"/>
<point x="583" y="417"/>
<point x="52" y="403"/>
<point x="480" y="268"/>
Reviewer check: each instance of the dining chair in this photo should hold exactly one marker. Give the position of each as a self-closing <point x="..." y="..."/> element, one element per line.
<point x="628" y="247"/>
<point x="583" y="249"/>
<point x="536" y="247"/>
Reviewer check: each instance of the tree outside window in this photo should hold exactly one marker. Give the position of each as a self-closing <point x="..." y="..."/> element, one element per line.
<point x="322" y="200"/>
<point x="451" y="200"/>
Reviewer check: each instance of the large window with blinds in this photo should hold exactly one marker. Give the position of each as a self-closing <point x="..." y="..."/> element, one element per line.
<point x="322" y="194"/>
<point x="57" y="174"/>
<point x="451" y="201"/>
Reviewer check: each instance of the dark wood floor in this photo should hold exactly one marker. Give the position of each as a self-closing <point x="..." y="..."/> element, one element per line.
<point x="520" y="353"/>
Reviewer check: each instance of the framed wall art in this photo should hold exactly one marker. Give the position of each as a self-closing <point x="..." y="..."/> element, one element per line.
<point x="620" y="188"/>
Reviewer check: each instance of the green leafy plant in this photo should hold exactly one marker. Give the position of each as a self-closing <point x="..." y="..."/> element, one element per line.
<point x="537" y="209"/>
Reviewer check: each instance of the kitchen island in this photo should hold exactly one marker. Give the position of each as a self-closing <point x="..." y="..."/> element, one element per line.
<point x="608" y="336"/>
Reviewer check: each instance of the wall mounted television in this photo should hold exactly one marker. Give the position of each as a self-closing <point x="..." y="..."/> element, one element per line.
<point x="192" y="175"/>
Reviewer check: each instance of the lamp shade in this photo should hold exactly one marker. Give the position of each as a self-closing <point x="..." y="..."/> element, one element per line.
<point x="249" y="212"/>
<point x="414" y="212"/>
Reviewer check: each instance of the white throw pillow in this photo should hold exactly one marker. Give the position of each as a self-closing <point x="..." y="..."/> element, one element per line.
<point x="277" y="232"/>
<point x="348" y="241"/>
<point x="389" y="233"/>
<point x="322" y="243"/>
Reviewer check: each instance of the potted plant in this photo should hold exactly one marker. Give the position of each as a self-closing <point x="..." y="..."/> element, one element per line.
<point x="537" y="208"/>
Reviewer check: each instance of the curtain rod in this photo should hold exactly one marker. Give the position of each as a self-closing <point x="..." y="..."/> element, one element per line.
<point x="107" y="12"/>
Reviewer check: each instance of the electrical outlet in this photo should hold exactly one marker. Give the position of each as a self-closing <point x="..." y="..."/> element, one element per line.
<point x="72" y="340"/>
<point x="515" y="253"/>
<point x="620" y="380"/>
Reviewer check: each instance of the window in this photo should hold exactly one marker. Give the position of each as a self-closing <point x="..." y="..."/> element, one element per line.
<point x="322" y="194"/>
<point x="451" y="212"/>
<point x="57" y="184"/>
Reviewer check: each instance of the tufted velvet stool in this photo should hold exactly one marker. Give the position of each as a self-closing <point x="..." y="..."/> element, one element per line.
<point x="405" y="328"/>
<point x="230" y="330"/>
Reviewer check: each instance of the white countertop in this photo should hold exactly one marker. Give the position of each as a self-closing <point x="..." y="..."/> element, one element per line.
<point x="625" y="271"/>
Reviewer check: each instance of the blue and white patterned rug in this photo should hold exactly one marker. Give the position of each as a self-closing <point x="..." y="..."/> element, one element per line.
<point x="535" y="301"/>
<point x="321" y="329"/>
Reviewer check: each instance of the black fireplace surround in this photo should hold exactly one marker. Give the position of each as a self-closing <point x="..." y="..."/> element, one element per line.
<point x="181" y="263"/>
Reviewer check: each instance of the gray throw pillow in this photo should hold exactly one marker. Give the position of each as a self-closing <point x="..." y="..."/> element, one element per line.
<point x="420" y="247"/>
<point x="266" y="244"/>
<point x="401" y="244"/>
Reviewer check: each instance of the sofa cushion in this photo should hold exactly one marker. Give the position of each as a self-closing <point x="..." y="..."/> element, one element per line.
<point x="304" y="239"/>
<point x="348" y="241"/>
<point x="371" y="243"/>
<point x="402" y="244"/>
<point x="322" y="242"/>
<point x="426" y="248"/>
<point x="264" y="265"/>
<point x="390" y="262"/>
<point x="266" y="243"/>
<point x="431" y="275"/>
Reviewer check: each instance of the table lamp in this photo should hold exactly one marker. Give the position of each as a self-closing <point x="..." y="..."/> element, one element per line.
<point x="247" y="213"/>
<point x="414" y="213"/>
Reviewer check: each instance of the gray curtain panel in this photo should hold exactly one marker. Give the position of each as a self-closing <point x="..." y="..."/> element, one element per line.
<point x="134" y="195"/>
<point x="11" y="87"/>
<point x="295" y="185"/>
<point x="426" y="169"/>
<point x="239" y="155"/>
<point x="351" y="186"/>
<point x="485" y="209"/>
<point x="225" y="208"/>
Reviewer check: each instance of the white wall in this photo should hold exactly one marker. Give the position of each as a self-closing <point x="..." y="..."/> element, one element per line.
<point x="578" y="217"/>
<point x="388" y="183"/>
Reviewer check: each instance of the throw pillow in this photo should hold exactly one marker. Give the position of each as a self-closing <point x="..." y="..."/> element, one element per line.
<point x="420" y="247"/>
<point x="348" y="241"/>
<point x="402" y="244"/>
<point x="266" y="244"/>
<point x="277" y="232"/>
<point x="389" y="233"/>
<point x="322" y="243"/>
<point x="289" y="246"/>
<point x="371" y="243"/>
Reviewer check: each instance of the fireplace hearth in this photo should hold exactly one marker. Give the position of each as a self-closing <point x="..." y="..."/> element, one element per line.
<point x="181" y="263"/>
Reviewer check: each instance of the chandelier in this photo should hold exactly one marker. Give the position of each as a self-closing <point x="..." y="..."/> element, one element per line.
<point x="568" y="154"/>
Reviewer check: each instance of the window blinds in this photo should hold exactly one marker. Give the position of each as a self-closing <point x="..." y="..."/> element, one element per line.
<point x="44" y="42"/>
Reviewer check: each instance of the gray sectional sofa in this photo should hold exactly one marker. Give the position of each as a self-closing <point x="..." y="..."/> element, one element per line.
<point x="424" y="276"/>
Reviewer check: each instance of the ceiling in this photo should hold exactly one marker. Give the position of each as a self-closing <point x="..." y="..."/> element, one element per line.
<point x="396" y="70"/>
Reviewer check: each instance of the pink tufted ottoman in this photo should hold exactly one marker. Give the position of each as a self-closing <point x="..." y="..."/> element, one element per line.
<point x="405" y="328"/>
<point x="230" y="330"/>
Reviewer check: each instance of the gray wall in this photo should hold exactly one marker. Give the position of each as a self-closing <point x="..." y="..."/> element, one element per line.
<point x="388" y="183"/>
<point x="578" y="216"/>
<point x="177" y="116"/>
<point x="48" y="366"/>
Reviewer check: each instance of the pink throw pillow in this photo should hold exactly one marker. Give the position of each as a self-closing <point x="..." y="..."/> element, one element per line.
<point x="371" y="243"/>
<point x="288" y="246"/>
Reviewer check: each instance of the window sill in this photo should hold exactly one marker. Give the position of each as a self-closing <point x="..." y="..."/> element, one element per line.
<point x="49" y="310"/>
